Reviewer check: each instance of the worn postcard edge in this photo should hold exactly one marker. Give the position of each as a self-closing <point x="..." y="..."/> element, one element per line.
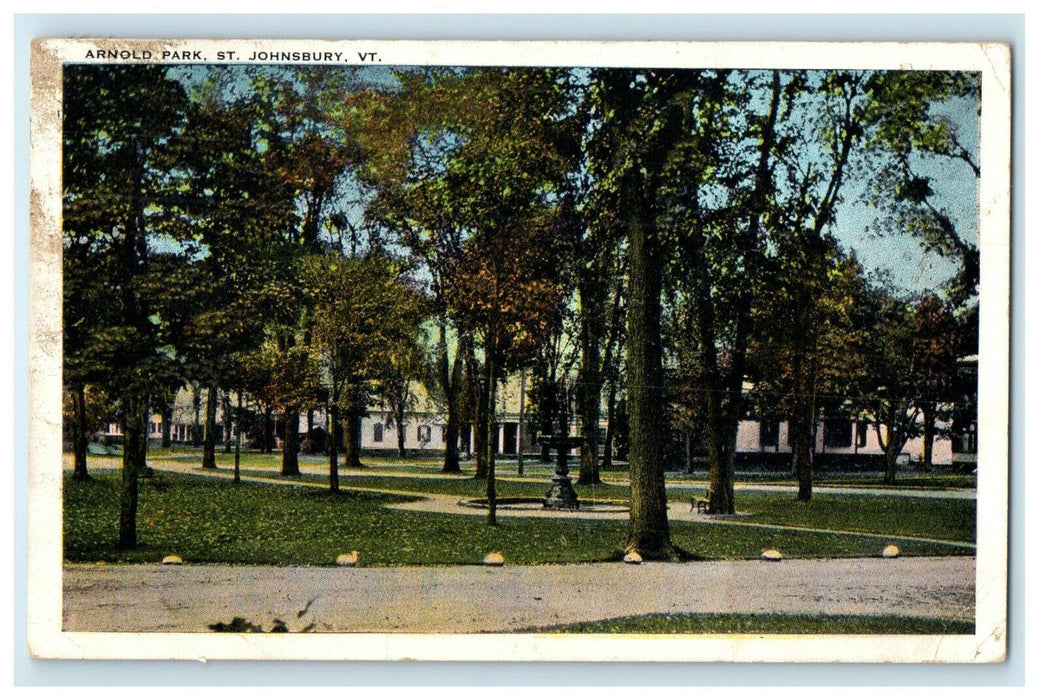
<point x="45" y="636"/>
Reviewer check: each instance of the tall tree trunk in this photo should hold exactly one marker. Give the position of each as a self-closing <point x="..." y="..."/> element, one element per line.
<point x="166" y="414"/>
<point x="289" y="462"/>
<point x="726" y="412"/>
<point x="648" y="514"/>
<point x="236" y="456"/>
<point x="134" y="260"/>
<point x="890" y="455"/>
<point x="333" y="429"/>
<point x="227" y="422"/>
<point x="353" y="432"/>
<point x="465" y="438"/>
<point x="483" y="429"/>
<point x="608" y="444"/>
<point x="720" y="441"/>
<point x="451" y="456"/>
<point x="211" y="414"/>
<point x="450" y="382"/>
<point x="589" y="380"/>
<point x="310" y="419"/>
<point x="492" y="449"/>
<point x="804" y="419"/>
<point x="267" y="441"/>
<point x="929" y="411"/>
<point x="610" y="372"/>
<point x="135" y="414"/>
<point x="889" y="445"/>
<point x="196" y="403"/>
<point x="519" y="425"/>
<point x="590" y="386"/>
<point x="401" y="429"/>
<point x="802" y="464"/>
<point x="80" y="434"/>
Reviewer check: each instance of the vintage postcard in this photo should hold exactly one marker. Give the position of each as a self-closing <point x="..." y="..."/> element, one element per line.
<point x="618" y="351"/>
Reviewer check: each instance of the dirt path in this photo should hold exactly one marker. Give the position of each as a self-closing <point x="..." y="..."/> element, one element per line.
<point x="459" y="599"/>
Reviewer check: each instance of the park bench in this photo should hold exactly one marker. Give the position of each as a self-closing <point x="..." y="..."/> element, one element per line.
<point x="700" y="504"/>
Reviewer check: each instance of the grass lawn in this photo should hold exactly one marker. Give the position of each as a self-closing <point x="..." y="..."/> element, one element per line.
<point x="210" y="520"/>
<point x="946" y="519"/>
<point x="905" y="481"/>
<point x="765" y="624"/>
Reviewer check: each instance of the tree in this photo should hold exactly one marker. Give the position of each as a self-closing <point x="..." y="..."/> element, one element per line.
<point x="935" y="345"/>
<point x="497" y="179"/>
<point x="503" y="293"/>
<point x="406" y="139"/>
<point x="235" y="219"/>
<point x="401" y="369"/>
<point x="920" y="143"/>
<point x="85" y="409"/>
<point x="84" y="315"/>
<point x="643" y="117"/>
<point x="909" y="351"/>
<point x="553" y="362"/>
<point x="116" y="175"/>
<point x="804" y="352"/>
<point x="309" y="154"/>
<point x="367" y="308"/>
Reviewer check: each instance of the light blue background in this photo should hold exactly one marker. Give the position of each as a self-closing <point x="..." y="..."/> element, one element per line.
<point x="1002" y="28"/>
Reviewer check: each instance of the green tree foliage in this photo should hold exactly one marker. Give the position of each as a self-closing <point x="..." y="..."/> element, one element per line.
<point x="402" y="369"/>
<point x="360" y="309"/>
<point x="911" y="355"/>
<point x="921" y="128"/>
<point x="761" y="180"/>
<point x="936" y="345"/>
<point x="407" y="139"/>
<point x="236" y="219"/>
<point x="479" y="213"/>
<point x="119" y="186"/>
<point x="805" y="362"/>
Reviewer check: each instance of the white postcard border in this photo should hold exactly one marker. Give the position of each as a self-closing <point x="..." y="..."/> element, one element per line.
<point x="45" y="635"/>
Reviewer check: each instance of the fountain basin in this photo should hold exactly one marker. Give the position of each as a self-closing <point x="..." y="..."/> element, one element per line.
<point x="538" y="504"/>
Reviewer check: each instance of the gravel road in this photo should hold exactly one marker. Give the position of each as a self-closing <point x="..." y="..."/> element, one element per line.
<point x="468" y="599"/>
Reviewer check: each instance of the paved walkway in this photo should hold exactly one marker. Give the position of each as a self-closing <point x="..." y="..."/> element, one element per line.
<point x="465" y="599"/>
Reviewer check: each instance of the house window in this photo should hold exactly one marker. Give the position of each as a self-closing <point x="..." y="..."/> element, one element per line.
<point x="379" y="432"/>
<point x="769" y="433"/>
<point x="838" y="432"/>
<point x="424" y="433"/>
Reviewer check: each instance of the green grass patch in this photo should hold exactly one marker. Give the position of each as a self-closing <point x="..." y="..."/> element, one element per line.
<point x="910" y="482"/>
<point x="214" y="520"/>
<point x="764" y="624"/>
<point x="729" y="541"/>
<point x="944" y="519"/>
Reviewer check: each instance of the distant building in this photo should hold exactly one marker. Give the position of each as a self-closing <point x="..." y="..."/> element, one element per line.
<point x="837" y="441"/>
